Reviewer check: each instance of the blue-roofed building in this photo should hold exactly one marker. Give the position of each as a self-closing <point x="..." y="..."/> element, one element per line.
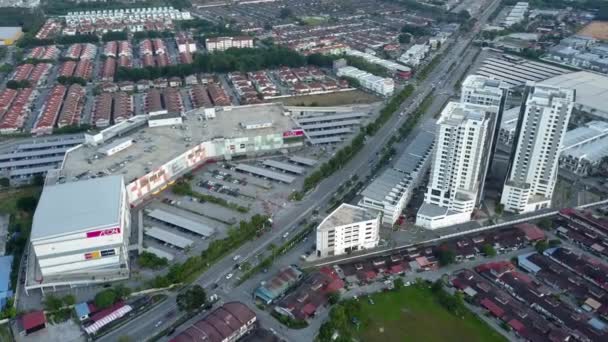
<point x="6" y="292"/>
<point x="597" y="324"/>
<point x="526" y="264"/>
<point x="82" y="310"/>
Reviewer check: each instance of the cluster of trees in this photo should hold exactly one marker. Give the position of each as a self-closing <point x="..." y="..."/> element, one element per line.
<point x="341" y="321"/>
<point x="207" y="28"/>
<point x="452" y="303"/>
<point x="360" y="63"/>
<point x="137" y="36"/>
<point x="59" y="309"/>
<point x="237" y="235"/>
<point x="226" y="61"/>
<point x="108" y="297"/>
<point x="30" y="20"/>
<point x="191" y="299"/>
<point x="416" y="30"/>
<point x="114" y="35"/>
<point x="13" y="84"/>
<point x="150" y="260"/>
<point x="67" y="80"/>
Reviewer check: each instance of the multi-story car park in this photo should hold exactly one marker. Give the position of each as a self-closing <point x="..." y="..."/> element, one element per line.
<point x="20" y="160"/>
<point x="161" y="154"/>
<point x="391" y="191"/>
<point x="80" y="234"/>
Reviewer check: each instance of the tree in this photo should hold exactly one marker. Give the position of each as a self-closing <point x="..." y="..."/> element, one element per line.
<point x="124" y="338"/>
<point x="182" y="188"/>
<point x="149" y="260"/>
<point x="285" y="13"/>
<point x="6" y="68"/>
<point x="405" y="38"/>
<point x="122" y="291"/>
<point x="27" y="204"/>
<point x="333" y="298"/>
<point x="554" y="243"/>
<point x="541" y="246"/>
<point x="499" y="209"/>
<point x="38" y="179"/>
<point x="105" y="298"/>
<point x="191" y="299"/>
<point x="398" y="283"/>
<point x="5" y="182"/>
<point x="545" y="223"/>
<point x="488" y="250"/>
<point x="446" y="256"/>
<point x="52" y="303"/>
<point x="69" y="300"/>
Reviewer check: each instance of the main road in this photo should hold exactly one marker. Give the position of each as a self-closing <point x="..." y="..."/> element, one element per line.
<point x="440" y="78"/>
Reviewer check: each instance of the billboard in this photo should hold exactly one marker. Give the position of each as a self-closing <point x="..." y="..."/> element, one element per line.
<point x="103" y="232"/>
<point x="294" y="133"/>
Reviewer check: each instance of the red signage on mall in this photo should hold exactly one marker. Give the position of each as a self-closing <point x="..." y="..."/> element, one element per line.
<point x="293" y="133"/>
<point x="103" y="232"/>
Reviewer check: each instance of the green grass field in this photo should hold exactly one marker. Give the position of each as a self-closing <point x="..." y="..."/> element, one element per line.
<point x="412" y="314"/>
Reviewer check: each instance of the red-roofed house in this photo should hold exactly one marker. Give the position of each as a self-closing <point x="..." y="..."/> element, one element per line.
<point x="533" y="233"/>
<point x="33" y="321"/>
<point x="492" y="307"/>
<point x="517" y="325"/>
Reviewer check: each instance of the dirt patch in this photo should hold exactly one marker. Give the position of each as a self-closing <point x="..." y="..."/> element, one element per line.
<point x="333" y="99"/>
<point x="595" y="29"/>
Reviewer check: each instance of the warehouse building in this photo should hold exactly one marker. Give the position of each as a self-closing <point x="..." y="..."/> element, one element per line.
<point x="80" y="234"/>
<point x="392" y="190"/>
<point x="9" y="35"/>
<point x="331" y="127"/>
<point x="347" y="229"/>
<point x="162" y="154"/>
<point x="228" y="323"/>
<point x="591" y="91"/>
<point x="517" y="71"/>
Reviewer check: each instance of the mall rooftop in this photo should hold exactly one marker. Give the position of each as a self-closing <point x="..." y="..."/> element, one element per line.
<point x="154" y="146"/>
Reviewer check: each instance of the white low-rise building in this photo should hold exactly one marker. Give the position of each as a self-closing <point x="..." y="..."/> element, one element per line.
<point x="389" y="65"/>
<point x="415" y="54"/>
<point x="225" y="43"/>
<point x="376" y="84"/>
<point x="347" y="229"/>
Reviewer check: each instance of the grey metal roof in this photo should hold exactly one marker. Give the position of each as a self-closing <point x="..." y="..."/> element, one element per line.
<point x="265" y="173"/>
<point x="36" y="153"/>
<point x="331" y="124"/>
<point x="30" y="162"/>
<point x="331" y="117"/>
<point x="78" y="206"/>
<point x="325" y="140"/>
<point x="181" y="222"/>
<point x="284" y="166"/>
<point x="168" y="237"/>
<point x="329" y="132"/>
<point x="28" y="171"/>
<point x="346" y="214"/>
<point x="302" y="160"/>
<point x="106" y="148"/>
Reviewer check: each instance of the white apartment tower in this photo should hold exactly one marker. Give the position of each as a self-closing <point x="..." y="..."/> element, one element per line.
<point x="533" y="167"/>
<point x="348" y="228"/>
<point x="492" y="95"/>
<point x="463" y="138"/>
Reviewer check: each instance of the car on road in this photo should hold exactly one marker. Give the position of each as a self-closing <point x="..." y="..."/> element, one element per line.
<point x="229" y="275"/>
<point x="158" y="324"/>
<point x="236" y="257"/>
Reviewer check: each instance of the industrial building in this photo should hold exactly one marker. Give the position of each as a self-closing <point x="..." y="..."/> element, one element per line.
<point x="9" y="35"/>
<point x="80" y="234"/>
<point x="591" y="91"/>
<point x="376" y="84"/>
<point x="532" y="171"/>
<point x="516" y="15"/>
<point x="22" y="159"/>
<point x="347" y="229"/>
<point x="581" y="52"/>
<point x="227" y="323"/>
<point x="162" y="154"/>
<point x="391" y="191"/>
<point x="517" y="71"/>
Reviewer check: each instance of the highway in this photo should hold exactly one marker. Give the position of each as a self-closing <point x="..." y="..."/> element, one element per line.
<point x="442" y="77"/>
